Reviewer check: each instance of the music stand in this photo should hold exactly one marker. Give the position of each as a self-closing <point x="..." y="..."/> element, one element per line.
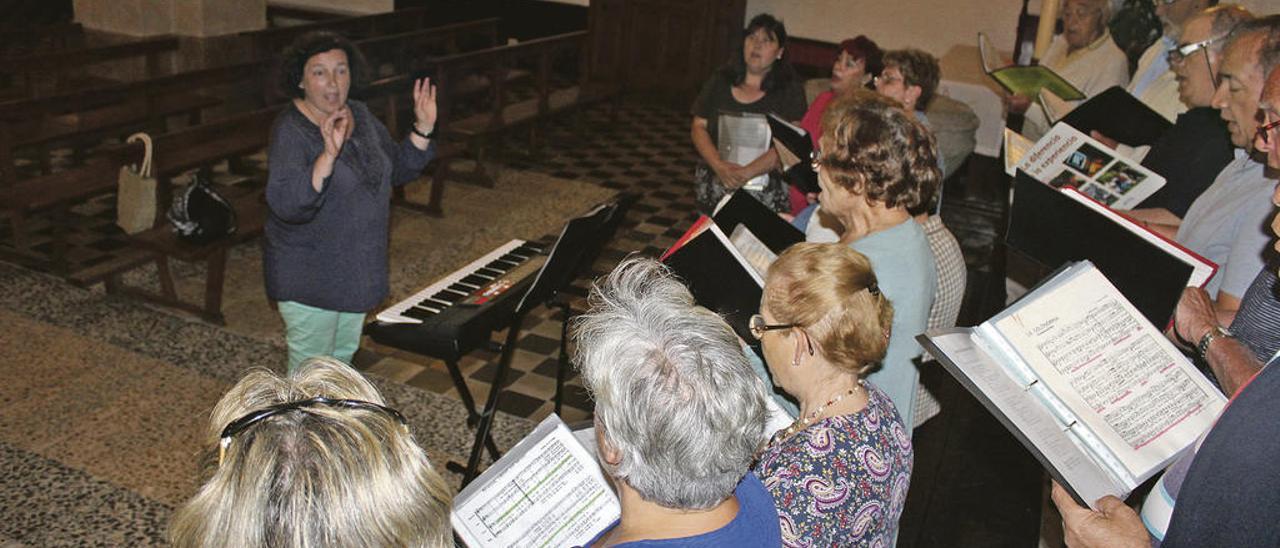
<point x="576" y="240"/>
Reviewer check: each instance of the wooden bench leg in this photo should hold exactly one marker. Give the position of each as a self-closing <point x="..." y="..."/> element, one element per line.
<point x="215" y="275"/>
<point x="165" y="276"/>
<point x="437" y="188"/>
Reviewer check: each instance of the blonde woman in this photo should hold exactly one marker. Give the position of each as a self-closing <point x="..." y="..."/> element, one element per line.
<point x="839" y="474"/>
<point x="313" y="459"/>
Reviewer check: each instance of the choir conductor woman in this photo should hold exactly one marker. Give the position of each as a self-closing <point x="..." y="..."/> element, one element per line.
<point x="332" y="166"/>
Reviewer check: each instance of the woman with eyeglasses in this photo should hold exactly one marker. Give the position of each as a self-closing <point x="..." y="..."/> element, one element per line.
<point x="758" y="80"/>
<point x="313" y="459"/>
<point x="839" y="474"/>
<point x="1084" y="54"/>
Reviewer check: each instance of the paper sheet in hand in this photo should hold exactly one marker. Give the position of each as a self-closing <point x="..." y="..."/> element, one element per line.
<point x="743" y="137"/>
<point x="547" y="491"/>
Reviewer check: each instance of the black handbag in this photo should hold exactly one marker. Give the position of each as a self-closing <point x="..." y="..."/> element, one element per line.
<point x="200" y="215"/>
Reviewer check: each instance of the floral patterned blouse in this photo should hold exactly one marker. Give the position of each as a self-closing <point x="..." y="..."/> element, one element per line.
<point x="843" y="480"/>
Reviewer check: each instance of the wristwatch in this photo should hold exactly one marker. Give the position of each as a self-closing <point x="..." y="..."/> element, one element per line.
<point x="1202" y="349"/>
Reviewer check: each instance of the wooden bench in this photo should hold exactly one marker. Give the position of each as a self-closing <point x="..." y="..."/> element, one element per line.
<point x="173" y="154"/>
<point x="276" y="12"/>
<point x="160" y="244"/>
<point x="84" y="118"/>
<point x="57" y="193"/>
<point x="407" y="52"/>
<point x="552" y="93"/>
<point x="270" y="42"/>
<point x="26" y="39"/>
<point x="65" y="69"/>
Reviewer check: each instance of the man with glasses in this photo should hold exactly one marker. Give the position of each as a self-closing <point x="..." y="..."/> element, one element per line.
<point x="1196" y="148"/>
<point x="1227" y="491"/>
<point x="1154" y="82"/>
<point x="1224" y="224"/>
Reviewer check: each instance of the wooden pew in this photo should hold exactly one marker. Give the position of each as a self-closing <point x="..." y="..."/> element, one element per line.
<point x="276" y="12"/>
<point x="406" y="52"/>
<point x="26" y="39"/>
<point x="56" y="193"/>
<point x="65" y="69"/>
<point x="83" y="118"/>
<point x="271" y="41"/>
<point x="500" y="110"/>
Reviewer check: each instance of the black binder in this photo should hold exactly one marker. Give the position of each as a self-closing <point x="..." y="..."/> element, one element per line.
<point x="744" y="209"/>
<point x="799" y="144"/>
<point x="1052" y="229"/>
<point x="1119" y="115"/>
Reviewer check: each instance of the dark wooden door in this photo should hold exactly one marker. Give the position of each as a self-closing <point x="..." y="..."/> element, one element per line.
<point x="663" y="48"/>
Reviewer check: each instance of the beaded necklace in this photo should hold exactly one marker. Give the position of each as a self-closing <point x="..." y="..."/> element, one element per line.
<point x="804" y="422"/>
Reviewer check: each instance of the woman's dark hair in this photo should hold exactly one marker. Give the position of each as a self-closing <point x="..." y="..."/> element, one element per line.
<point x="866" y="49"/>
<point x="780" y="73"/>
<point x="295" y="57"/>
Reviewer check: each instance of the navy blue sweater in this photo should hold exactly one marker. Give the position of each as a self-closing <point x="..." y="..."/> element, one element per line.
<point x="328" y="249"/>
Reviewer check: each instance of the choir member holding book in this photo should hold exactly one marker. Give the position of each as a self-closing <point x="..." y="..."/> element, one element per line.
<point x="824" y="325"/>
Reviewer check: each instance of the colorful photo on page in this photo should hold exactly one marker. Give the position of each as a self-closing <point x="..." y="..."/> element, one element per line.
<point x="1088" y="160"/>
<point x="1121" y="178"/>
<point x="1067" y="179"/>
<point x="1097" y="192"/>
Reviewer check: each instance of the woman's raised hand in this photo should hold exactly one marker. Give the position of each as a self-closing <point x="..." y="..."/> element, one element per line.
<point x="424" y="105"/>
<point x="335" y="129"/>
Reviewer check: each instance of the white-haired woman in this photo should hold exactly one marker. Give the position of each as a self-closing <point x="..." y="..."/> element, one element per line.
<point x="679" y="414"/>
<point x="1084" y="54"/>
<point x="839" y="474"/>
<point x="313" y="459"/>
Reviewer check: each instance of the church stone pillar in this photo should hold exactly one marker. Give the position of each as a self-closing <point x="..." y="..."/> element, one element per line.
<point x="202" y="18"/>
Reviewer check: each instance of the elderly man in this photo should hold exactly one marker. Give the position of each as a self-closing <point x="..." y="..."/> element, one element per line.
<point x="1227" y="492"/>
<point x="1154" y="82"/>
<point x="1225" y="224"/>
<point x="1084" y="54"/>
<point x="679" y="414"/>
<point x="1192" y="152"/>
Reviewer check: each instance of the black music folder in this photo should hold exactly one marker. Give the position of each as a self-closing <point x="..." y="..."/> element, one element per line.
<point x="743" y="209"/>
<point x="1119" y="115"/>
<point x="724" y="265"/>
<point x="797" y="141"/>
<point x="1052" y="228"/>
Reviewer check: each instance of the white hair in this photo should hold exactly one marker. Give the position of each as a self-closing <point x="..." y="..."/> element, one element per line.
<point x="673" y="390"/>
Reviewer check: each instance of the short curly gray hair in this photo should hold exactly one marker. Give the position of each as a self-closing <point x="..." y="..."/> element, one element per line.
<point x="674" y="393"/>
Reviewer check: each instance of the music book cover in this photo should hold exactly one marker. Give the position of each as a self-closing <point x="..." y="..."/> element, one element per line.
<point x="721" y="277"/>
<point x="741" y="208"/>
<point x="1055" y="227"/>
<point x="547" y="491"/>
<point x="1067" y="158"/>
<point x="1119" y="115"/>
<point x="1024" y="80"/>
<point x="1092" y="389"/>
<point x="797" y="142"/>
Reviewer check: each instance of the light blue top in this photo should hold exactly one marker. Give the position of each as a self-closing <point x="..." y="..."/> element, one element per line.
<point x="905" y="271"/>
<point x="1228" y="224"/>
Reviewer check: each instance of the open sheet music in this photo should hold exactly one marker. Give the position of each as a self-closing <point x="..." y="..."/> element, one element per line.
<point x="742" y="138"/>
<point x="1092" y="389"/>
<point x="547" y="491"/>
<point x="1067" y="158"/>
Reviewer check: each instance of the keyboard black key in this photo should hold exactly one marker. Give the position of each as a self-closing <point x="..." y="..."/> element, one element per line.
<point x="476" y="280"/>
<point x="435" y="303"/>
<point x="418" y="313"/>
<point x="486" y="271"/>
<point x="451" y="296"/>
<point x="513" y="258"/>
<point x="461" y="288"/>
